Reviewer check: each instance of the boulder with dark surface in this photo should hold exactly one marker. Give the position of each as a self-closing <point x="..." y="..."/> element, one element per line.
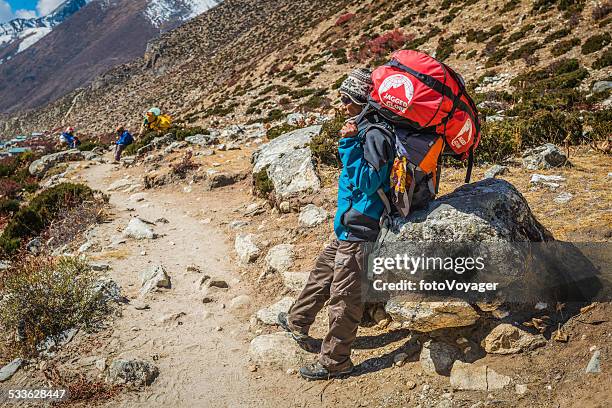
<point x="489" y="218"/>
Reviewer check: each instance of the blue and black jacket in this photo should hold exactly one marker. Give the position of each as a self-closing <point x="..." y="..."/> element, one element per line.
<point x="125" y="139"/>
<point x="367" y="160"/>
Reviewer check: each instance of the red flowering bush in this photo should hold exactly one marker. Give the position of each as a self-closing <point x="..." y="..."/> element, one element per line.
<point x="345" y="18"/>
<point x="383" y="45"/>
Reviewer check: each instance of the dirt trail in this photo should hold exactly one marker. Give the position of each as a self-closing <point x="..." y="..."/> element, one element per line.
<point x="203" y="355"/>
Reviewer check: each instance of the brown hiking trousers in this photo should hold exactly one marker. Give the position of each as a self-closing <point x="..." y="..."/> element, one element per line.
<point x="338" y="276"/>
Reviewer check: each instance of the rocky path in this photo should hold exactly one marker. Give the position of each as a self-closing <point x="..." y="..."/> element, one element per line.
<point x="201" y="349"/>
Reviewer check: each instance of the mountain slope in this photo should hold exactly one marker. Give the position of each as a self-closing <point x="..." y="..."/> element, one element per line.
<point x="78" y="41"/>
<point x="241" y="61"/>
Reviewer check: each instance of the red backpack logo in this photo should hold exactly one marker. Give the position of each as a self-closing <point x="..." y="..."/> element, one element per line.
<point x="418" y="91"/>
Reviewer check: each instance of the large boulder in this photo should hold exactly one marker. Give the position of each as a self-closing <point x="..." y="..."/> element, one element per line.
<point x="287" y="161"/>
<point x="39" y="167"/>
<point x="486" y="217"/>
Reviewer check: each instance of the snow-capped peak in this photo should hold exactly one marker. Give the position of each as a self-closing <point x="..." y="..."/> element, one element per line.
<point x="160" y="12"/>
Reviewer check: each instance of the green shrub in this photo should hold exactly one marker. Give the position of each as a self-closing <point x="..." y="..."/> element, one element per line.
<point x="595" y="43"/>
<point x="324" y="146"/>
<point x="509" y="6"/>
<point x="520" y="34"/>
<point x="274" y="115"/>
<point x="499" y="141"/>
<point x="180" y="133"/>
<point x="44" y="297"/>
<point x="564" y="46"/>
<point x="502" y="139"/>
<point x="141" y="142"/>
<point x="41" y="211"/>
<point x="557" y="35"/>
<point x="89" y="145"/>
<point x="277" y="131"/>
<point x="605" y="60"/>
<point x="8" y="206"/>
<point x="316" y="102"/>
<point x="524" y="50"/>
<point x="339" y="81"/>
<point x="496" y="57"/>
<point x="262" y="185"/>
<point x="446" y="47"/>
<point x="600" y="124"/>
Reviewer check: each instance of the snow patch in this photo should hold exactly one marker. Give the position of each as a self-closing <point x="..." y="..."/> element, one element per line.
<point x="31" y="36"/>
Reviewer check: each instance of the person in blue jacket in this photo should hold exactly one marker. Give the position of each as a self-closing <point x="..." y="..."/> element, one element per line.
<point x="68" y="138"/>
<point x="367" y="153"/>
<point x="124" y="139"/>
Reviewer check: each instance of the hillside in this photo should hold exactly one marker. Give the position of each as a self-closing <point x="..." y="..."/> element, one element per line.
<point x="303" y="49"/>
<point x="42" y="59"/>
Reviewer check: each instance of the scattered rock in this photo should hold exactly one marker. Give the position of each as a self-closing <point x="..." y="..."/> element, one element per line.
<point x="601" y="86"/>
<point x="34" y="246"/>
<point x="218" y="283"/>
<point x="469" y="377"/>
<point x="10" y="369"/>
<point x="139" y="305"/>
<point x="508" y="339"/>
<point x="246" y="248"/>
<point x="108" y="290"/>
<point x="594" y="365"/>
<point x="99" y="266"/>
<point x="202" y="140"/>
<point x="546" y="156"/>
<point x="120" y="184"/>
<point x="295" y="119"/>
<point x="438" y="357"/>
<point x="311" y="216"/>
<point x="546" y="181"/>
<point x="295" y="281"/>
<point x="399" y="359"/>
<point x="280" y="258"/>
<point x="85" y="247"/>
<point x="100" y="364"/>
<point x="520" y="389"/>
<point x="172" y="317"/>
<point x="269" y="315"/>
<point x="132" y="372"/>
<point x="563" y="198"/>
<point x="240" y="302"/>
<point x="497" y="170"/>
<point x="430" y="316"/>
<point x="217" y="179"/>
<point x="277" y="350"/>
<point x="154" y="278"/>
<point x="138" y="229"/>
<point x="238" y="224"/>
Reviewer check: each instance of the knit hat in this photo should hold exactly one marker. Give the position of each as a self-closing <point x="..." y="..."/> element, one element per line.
<point x="358" y="85"/>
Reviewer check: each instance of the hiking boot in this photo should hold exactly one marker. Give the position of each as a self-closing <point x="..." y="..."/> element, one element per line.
<point x="316" y="371"/>
<point x="303" y="340"/>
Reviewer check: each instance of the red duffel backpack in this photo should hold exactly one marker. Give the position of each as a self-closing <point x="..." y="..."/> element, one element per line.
<point x="415" y="90"/>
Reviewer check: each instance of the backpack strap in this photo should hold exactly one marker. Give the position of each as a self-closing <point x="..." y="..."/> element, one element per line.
<point x="468" y="174"/>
